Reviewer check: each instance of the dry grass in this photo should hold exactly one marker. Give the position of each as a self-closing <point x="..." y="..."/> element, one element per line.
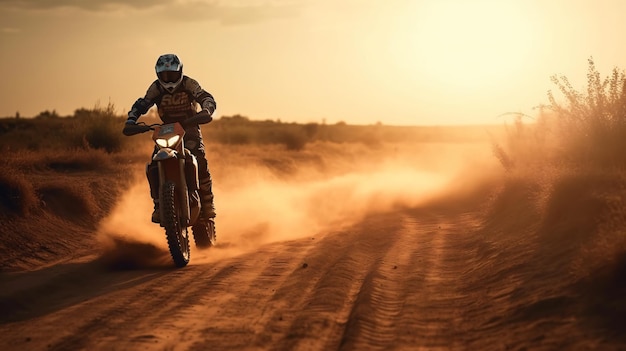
<point x="572" y="157"/>
<point x="17" y="194"/>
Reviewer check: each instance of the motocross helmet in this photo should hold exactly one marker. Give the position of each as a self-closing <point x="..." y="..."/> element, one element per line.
<point x="169" y="71"/>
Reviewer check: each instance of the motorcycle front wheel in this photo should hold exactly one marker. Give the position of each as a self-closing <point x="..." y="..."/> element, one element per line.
<point x="175" y="232"/>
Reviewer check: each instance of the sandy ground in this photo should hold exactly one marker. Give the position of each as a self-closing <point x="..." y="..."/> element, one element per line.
<point x="414" y="279"/>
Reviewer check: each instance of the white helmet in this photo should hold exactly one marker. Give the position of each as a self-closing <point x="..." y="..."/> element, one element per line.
<point x="169" y="71"/>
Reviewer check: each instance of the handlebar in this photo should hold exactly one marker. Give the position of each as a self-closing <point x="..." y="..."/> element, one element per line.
<point x="197" y="119"/>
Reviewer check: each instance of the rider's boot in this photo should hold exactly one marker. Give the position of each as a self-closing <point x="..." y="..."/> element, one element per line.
<point x="156" y="214"/>
<point x="208" y="207"/>
<point x="206" y="198"/>
<point x="152" y="173"/>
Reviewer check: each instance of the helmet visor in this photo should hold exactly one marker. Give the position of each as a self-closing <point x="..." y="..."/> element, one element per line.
<point x="169" y="76"/>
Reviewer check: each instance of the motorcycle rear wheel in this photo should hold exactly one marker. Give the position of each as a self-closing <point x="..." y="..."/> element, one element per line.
<point x="204" y="233"/>
<point x="176" y="234"/>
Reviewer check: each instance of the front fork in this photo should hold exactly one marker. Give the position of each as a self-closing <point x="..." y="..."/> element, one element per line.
<point x="173" y="170"/>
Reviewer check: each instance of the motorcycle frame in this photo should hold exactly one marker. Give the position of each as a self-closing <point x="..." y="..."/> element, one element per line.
<point x="171" y="166"/>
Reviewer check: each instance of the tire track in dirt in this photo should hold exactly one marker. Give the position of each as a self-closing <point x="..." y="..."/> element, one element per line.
<point x="431" y="318"/>
<point x="187" y="305"/>
<point x="413" y="302"/>
<point x="372" y="322"/>
<point x="228" y="313"/>
<point x="108" y="315"/>
<point x="340" y="264"/>
<point x="173" y="311"/>
<point x="354" y="288"/>
<point x="301" y="283"/>
<point x="113" y="316"/>
<point x="410" y="279"/>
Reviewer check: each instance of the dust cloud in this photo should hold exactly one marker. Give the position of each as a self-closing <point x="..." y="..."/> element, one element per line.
<point x="256" y="207"/>
<point x="127" y="237"/>
<point x="265" y="208"/>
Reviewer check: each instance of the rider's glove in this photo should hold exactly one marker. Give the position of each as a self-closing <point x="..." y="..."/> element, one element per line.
<point x="132" y="117"/>
<point x="204" y="116"/>
<point x="201" y="117"/>
<point x="128" y="127"/>
<point x="206" y="110"/>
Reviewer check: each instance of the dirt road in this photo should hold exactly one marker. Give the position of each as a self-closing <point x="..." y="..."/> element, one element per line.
<point x="414" y="279"/>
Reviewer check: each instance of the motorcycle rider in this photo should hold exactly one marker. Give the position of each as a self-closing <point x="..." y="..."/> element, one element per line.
<point x="176" y="96"/>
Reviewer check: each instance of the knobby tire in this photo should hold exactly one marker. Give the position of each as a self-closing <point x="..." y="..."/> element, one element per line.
<point x="176" y="234"/>
<point x="204" y="233"/>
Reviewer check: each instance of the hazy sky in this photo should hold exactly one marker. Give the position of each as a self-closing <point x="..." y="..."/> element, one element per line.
<point x="403" y="62"/>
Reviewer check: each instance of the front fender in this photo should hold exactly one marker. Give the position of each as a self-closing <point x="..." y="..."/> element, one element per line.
<point x="164" y="154"/>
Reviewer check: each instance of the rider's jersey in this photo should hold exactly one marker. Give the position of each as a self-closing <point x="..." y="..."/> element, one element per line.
<point x="177" y="105"/>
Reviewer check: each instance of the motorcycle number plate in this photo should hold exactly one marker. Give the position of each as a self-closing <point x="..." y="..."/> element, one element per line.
<point x="166" y="129"/>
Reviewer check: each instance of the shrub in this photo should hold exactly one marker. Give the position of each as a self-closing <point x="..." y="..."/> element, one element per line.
<point x="586" y="128"/>
<point x="592" y="125"/>
<point x="16" y="194"/>
<point x="97" y="128"/>
<point x="102" y="128"/>
<point x="236" y="135"/>
<point x="574" y="153"/>
<point x="47" y="114"/>
<point x="293" y="139"/>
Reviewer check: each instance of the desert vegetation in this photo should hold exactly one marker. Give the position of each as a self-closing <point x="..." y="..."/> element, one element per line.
<point x="99" y="128"/>
<point x="565" y="180"/>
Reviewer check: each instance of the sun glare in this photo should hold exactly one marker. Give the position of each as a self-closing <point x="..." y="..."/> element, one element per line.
<point x="466" y="45"/>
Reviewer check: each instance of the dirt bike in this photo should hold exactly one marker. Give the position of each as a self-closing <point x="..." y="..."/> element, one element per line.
<point x="178" y="188"/>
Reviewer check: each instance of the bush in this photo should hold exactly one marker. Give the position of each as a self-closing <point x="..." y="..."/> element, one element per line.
<point x="574" y="152"/>
<point x="102" y="128"/>
<point x="16" y="194"/>
<point x="236" y="135"/>
<point x="586" y="129"/>
<point x="592" y="125"/>
<point x="292" y="139"/>
<point x="97" y="128"/>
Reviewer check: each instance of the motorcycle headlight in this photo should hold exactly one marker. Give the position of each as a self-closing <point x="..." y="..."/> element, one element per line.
<point x="168" y="142"/>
